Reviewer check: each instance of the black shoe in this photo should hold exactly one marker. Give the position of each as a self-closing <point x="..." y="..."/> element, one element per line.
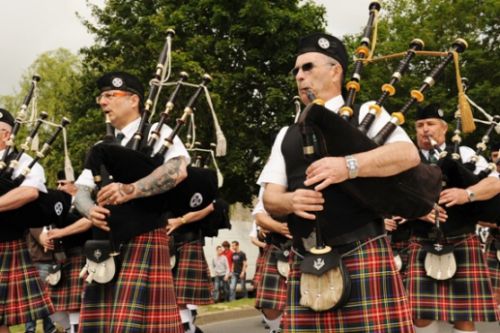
<point x="198" y="330"/>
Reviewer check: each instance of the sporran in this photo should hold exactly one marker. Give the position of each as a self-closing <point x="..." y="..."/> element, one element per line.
<point x="102" y="262"/>
<point x="324" y="282"/>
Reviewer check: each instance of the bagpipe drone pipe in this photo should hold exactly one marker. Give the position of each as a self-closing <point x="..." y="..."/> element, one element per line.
<point x="47" y="208"/>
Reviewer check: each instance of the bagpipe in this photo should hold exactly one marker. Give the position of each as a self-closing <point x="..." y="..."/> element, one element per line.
<point x="461" y="174"/>
<point x="110" y="162"/>
<point x="410" y="194"/>
<point x="49" y="207"/>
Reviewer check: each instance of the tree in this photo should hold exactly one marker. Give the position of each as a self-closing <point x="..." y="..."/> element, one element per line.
<point x="246" y="46"/>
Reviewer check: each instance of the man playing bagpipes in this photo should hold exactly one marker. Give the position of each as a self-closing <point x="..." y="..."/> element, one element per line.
<point x="371" y="297"/>
<point x="193" y="207"/>
<point x="460" y="291"/>
<point x="22" y="298"/>
<point x="492" y="245"/>
<point x="66" y="240"/>
<point x="141" y="296"/>
<point x="271" y="294"/>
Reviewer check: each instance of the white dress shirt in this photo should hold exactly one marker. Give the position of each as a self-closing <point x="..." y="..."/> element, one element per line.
<point x="35" y="178"/>
<point x="466" y="153"/>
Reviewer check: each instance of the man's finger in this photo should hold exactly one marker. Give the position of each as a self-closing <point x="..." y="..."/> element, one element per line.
<point x="305" y="215"/>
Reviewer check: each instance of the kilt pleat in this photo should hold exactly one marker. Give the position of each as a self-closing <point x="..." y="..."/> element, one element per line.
<point x="377" y="303"/>
<point x="257" y="277"/>
<point x="22" y="296"/>
<point x="493" y="263"/>
<point x="142" y="299"/>
<point x="271" y="291"/>
<point x="67" y="295"/>
<point x="468" y="296"/>
<point x="191" y="275"/>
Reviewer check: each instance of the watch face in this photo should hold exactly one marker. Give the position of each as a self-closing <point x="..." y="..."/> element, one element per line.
<point x="352" y="167"/>
<point x="471" y="195"/>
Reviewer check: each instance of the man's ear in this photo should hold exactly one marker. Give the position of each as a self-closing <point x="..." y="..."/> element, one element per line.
<point x="136" y="100"/>
<point x="337" y="72"/>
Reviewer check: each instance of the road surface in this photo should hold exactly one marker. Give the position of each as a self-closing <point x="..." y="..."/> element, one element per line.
<point x="254" y="325"/>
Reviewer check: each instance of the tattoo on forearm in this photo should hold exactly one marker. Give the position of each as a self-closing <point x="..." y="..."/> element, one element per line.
<point x="83" y="200"/>
<point x="162" y="179"/>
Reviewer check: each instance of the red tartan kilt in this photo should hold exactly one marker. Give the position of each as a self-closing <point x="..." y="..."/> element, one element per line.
<point x="67" y="295"/>
<point x="257" y="277"/>
<point x="271" y="292"/>
<point x="191" y="275"/>
<point x="493" y="263"/>
<point x="22" y="296"/>
<point x="142" y="300"/>
<point x="377" y="302"/>
<point x="467" y="296"/>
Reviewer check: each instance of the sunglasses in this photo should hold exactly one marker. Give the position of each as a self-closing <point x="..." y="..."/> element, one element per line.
<point x="308" y="66"/>
<point x="110" y="95"/>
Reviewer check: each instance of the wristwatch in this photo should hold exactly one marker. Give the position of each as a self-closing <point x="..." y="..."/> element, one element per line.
<point x="471" y="196"/>
<point x="352" y="166"/>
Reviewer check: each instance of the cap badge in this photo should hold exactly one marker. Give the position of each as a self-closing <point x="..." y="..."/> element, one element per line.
<point x="1" y="115"/>
<point x="58" y="208"/>
<point x="323" y="43"/>
<point x="117" y="82"/>
<point x="440" y="113"/>
<point x="196" y="200"/>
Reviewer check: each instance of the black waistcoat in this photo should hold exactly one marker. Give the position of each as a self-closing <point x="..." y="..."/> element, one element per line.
<point x="12" y="230"/>
<point x="342" y="214"/>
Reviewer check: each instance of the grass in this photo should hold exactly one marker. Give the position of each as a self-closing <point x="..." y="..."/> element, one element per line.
<point x="243" y="303"/>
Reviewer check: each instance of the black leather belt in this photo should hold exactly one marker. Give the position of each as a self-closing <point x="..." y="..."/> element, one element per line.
<point x="369" y="230"/>
<point x="347" y="242"/>
<point x="186" y="237"/>
<point x="276" y="239"/>
<point x="74" y="251"/>
<point x="461" y="230"/>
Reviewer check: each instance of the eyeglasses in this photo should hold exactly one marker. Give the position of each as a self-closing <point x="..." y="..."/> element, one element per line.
<point x="110" y="95"/>
<point x="308" y="66"/>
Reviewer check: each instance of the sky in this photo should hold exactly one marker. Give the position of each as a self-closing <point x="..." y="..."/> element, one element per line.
<point x="29" y="28"/>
